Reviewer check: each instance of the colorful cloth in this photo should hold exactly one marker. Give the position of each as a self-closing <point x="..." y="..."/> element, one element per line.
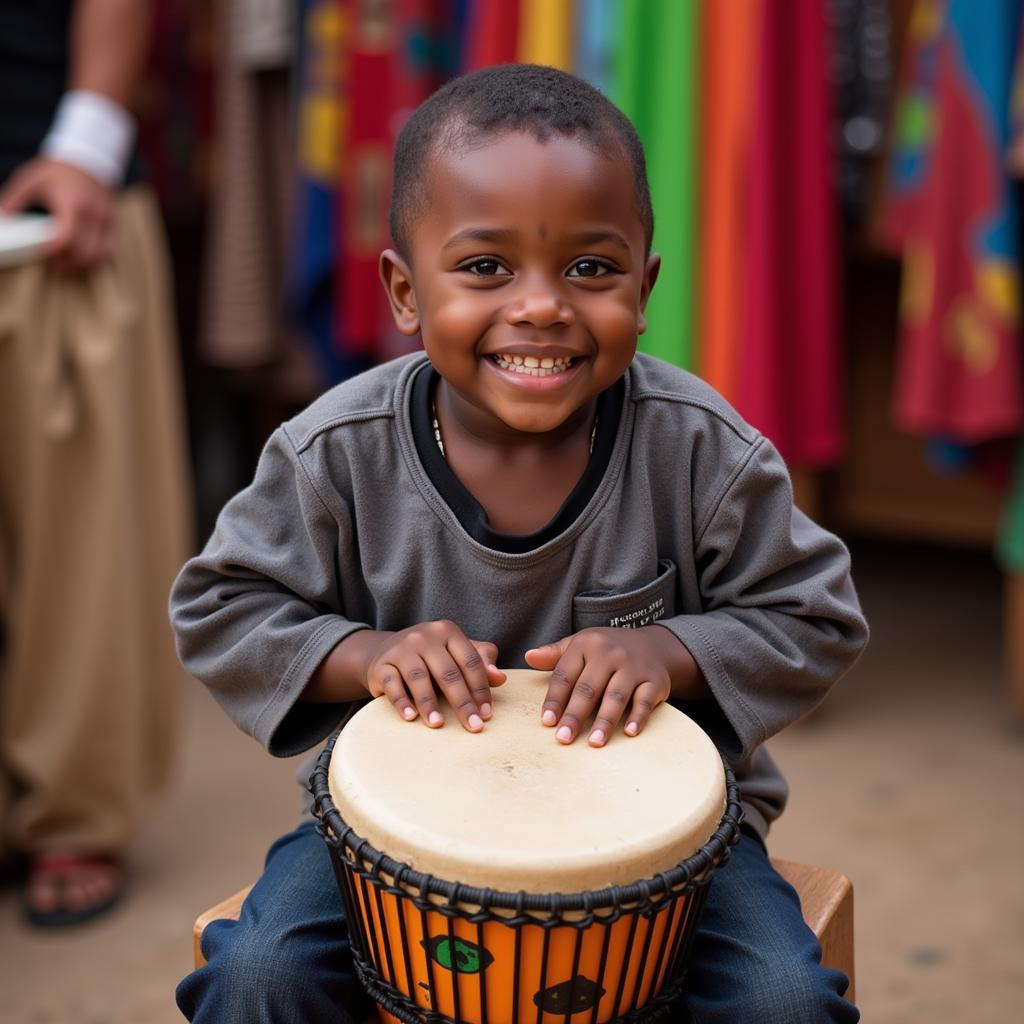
<point x="492" y="34"/>
<point x="654" y="82"/>
<point x="392" y="65"/>
<point x="594" y="33"/>
<point x="788" y="373"/>
<point x="730" y="48"/>
<point x="321" y="110"/>
<point x="951" y="209"/>
<point x="1010" y="548"/>
<point x="545" y="32"/>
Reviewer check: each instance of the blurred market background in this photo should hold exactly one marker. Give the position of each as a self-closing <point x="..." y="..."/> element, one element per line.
<point x="837" y="192"/>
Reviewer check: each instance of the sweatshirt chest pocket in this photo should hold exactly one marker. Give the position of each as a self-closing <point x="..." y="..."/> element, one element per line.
<point x="635" y="608"/>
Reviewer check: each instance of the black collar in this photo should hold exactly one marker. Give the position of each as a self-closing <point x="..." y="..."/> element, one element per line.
<point x="468" y="510"/>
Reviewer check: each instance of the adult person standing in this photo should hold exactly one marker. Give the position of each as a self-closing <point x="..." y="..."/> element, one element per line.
<point x="94" y="497"/>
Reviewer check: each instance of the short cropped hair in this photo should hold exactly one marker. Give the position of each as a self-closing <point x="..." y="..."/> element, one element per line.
<point x="508" y="97"/>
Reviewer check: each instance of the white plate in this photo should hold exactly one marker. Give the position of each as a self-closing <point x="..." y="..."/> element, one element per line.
<point x="23" y="235"/>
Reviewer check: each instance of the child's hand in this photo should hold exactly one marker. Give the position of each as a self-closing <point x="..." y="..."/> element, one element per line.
<point x="404" y="667"/>
<point x="610" y="669"/>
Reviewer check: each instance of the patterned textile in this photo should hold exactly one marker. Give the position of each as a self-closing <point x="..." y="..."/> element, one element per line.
<point x="320" y="112"/>
<point x="951" y="210"/>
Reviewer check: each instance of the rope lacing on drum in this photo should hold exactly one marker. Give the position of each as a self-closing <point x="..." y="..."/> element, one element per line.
<point x="373" y="874"/>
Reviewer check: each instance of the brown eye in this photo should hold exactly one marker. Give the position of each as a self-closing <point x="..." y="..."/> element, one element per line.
<point x="485" y="268"/>
<point x="588" y="268"/>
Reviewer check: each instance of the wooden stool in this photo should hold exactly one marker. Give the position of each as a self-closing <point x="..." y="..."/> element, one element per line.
<point x="826" y="897"/>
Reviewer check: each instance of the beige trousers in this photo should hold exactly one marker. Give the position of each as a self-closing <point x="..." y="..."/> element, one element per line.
<point x="95" y="517"/>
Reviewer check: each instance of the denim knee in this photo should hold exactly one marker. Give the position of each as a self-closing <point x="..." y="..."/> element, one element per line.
<point x="287" y="958"/>
<point x="252" y="978"/>
<point x="783" y="994"/>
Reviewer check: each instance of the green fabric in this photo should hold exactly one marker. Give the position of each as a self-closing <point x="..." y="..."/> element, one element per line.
<point x="1010" y="548"/>
<point x="654" y="81"/>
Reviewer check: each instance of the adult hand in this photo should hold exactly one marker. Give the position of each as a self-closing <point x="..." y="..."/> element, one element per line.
<point x="404" y="667"/>
<point x="610" y="670"/>
<point x="82" y="207"/>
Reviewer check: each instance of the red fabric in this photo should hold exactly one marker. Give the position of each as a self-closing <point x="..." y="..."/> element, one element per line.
<point x="493" y="34"/>
<point x="385" y="81"/>
<point x="789" y="357"/>
<point x="959" y="366"/>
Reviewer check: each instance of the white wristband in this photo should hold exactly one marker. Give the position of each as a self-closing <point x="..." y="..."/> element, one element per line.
<point x="92" y="132"/>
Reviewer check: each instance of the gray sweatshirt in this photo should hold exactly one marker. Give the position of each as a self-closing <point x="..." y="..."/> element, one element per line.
<point x="692" y="526"/>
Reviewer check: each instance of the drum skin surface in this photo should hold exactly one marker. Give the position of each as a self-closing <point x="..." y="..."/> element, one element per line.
<point x="511" y="808"/>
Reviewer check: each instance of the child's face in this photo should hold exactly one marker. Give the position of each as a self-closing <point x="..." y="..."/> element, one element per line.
<point x="527" y="249"/>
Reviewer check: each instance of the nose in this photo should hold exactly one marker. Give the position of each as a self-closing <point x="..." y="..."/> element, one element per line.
<point x="539" y="304"/>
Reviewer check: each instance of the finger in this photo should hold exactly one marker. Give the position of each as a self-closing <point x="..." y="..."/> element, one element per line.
<point x="472" y="662"/>
<point x="64" y="233"/>
<point x="563" y="679"/>
<point x="416" y="677"/>
<point x="19" y="192"/>
<point x="386" y="679"/>
<point x="450" y="677"/>
<point x="84" y="252"/>
<point x="586" y="695"/>
<point x="645" y="699"/>
<point x="489" y="652"/>
<point x="546" y="656"/>
<point x="613" y="705"/>
<point x="95" y="245"/>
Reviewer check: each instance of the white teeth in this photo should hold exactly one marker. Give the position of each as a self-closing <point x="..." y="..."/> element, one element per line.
<point x="532" y="366"/>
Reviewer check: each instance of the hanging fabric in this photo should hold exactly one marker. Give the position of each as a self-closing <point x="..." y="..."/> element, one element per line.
<point x="788" y="373"/>
<point x="545" y="32"/>
<point x="391" y="67"/>
<point x="951" y="211"/>
<point x="492" y="34"/>
<point x="320" y="114"/>
<point x="594" y="35"/>
<point x="730" y="49"/>
<point x="654" y="83"/>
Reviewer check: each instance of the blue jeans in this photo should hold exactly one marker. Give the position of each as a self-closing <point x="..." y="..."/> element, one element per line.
<point x="286" y="960"/>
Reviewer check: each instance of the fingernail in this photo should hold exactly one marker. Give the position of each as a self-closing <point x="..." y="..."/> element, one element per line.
<point x="549" y="717"/>
<point x="597" y="736"/>
<point x="485" y="710"/>
<point x="475" y="722"/>
<point x="436" y="718"/>
<point x="410" y="713"/>
<point x="564" y="734"/>
<point x="632" y="729"/>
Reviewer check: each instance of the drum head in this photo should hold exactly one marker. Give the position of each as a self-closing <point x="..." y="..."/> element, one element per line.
<point x="511" y="808"/>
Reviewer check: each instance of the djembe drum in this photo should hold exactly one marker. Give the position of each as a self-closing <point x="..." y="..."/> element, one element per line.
<point x="503" y="878"/>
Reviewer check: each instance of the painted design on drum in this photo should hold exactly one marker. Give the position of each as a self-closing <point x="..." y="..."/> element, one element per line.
<point x="469" y="957"/>
<point x="572" y="996"/>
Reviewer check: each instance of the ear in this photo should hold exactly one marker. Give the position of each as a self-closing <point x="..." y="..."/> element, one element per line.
<point x="651" y="269"/>
<point x="397" y="280"/>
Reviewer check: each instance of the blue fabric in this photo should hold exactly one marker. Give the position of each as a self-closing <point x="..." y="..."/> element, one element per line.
<point x="284" y="961"/>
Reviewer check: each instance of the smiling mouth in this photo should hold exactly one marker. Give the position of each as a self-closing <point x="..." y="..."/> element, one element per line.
<point x="534" y="366"/>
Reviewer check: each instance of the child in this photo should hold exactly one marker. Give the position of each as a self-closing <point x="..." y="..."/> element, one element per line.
<point x="531" y="491"/>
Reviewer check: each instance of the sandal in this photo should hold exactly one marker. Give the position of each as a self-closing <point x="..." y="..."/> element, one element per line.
<point x="66" y="876"/>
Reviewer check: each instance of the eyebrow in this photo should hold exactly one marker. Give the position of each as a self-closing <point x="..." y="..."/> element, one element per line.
<point x="479" y="235"/>
<point x="497" y="235"/>
<point x="595" y="237"/>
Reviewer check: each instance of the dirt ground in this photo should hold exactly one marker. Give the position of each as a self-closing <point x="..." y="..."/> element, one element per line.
<point x="908" y="779"/>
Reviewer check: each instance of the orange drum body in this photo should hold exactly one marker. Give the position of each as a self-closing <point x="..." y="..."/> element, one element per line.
<point x="455" y="863"/>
